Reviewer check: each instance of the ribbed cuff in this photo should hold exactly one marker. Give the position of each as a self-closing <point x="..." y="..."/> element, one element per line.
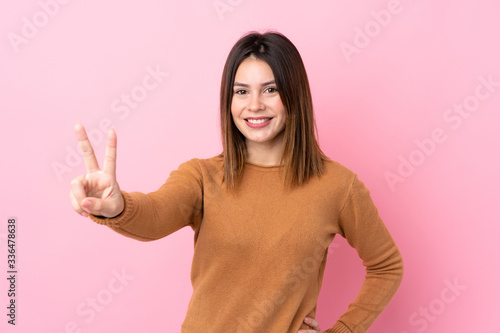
<point x="338" y="328"/>
<point x="119" y="219"/>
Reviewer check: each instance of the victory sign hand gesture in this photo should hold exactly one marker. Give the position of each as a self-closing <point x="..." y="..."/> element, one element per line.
<point x="97" y="191"/>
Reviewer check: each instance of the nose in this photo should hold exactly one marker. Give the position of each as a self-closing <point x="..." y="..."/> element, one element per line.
<point x="255" y="103"/>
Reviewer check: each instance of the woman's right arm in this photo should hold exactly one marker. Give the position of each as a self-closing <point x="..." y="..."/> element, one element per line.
<point x="146" y="217"/>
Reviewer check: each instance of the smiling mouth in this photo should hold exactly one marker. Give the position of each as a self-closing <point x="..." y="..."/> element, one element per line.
<point x="258" y="121"/>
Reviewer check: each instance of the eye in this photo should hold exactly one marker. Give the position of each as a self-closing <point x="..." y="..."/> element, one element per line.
<point x="240" y="92"/>
<point x="271" y="90"/>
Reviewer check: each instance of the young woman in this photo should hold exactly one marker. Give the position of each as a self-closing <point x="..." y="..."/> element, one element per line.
<point x="263" y="212"/>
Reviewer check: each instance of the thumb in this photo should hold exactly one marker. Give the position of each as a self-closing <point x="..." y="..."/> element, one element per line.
<point x="92" y="206"/>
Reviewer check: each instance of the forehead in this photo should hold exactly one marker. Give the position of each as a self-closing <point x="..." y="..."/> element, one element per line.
<point x="254" y="69"/>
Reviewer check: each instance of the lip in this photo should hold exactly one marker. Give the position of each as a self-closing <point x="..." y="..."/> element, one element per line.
<point x="257" y="118"/>
<point x="258" y="125"/>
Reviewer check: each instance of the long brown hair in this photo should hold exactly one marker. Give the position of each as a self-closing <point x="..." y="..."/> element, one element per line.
<point x="302" y="156"/>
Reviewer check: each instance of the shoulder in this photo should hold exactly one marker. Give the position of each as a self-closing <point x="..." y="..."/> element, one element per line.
<point x="337" y="173"/>
<point x="204" y="167"/>
<point x="347" y="182"/>
<point x="206" y="164"/>
<point x="343" y="181"/>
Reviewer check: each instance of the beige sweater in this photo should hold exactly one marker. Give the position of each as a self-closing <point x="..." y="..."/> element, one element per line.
<point x="260" y="252"/>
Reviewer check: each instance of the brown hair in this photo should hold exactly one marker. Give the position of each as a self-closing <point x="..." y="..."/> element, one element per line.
<point x="302" y="157"/>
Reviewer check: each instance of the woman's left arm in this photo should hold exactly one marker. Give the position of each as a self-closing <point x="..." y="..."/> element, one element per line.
<point x="365" y="231"/>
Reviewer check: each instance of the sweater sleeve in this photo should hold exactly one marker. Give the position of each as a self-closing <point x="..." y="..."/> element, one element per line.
<point x="364" y="230"/>
<point x="177" y="203"/>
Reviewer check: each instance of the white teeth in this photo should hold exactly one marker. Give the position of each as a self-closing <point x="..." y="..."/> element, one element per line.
<point x="257" y="121"/>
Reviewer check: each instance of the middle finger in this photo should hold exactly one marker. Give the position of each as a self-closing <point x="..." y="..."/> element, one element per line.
<point x="86" y="148"/>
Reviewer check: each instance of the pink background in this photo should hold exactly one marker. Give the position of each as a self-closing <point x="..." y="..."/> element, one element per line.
<point x="398" y="86"/>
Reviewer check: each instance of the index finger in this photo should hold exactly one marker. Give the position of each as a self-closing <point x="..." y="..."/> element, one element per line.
<point x="110" y="157"/>
<point x="86" y="148"/>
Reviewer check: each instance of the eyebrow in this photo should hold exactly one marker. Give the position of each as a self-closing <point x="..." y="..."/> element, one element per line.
<point x="246" y="85"/>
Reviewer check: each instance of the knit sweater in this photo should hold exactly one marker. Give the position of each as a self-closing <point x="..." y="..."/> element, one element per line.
<point x="260" y="251"/>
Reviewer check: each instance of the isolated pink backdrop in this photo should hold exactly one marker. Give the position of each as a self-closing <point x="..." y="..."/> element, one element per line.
<point x="388" y="79"/>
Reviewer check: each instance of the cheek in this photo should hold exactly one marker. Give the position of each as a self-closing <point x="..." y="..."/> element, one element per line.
<point x="235" y="107"/>
<point x="233" y="114"/>
<point x="278" y="106"/>
<point x="280" y="109"/>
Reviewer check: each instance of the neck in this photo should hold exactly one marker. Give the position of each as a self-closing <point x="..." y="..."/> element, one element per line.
<point x="265" y="153"/>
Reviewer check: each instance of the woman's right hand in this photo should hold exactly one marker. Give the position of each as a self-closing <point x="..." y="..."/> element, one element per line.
<point x="97" y="191"/>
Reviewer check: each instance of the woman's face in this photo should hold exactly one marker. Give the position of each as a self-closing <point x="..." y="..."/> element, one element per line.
<point x="255" y="97"/>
